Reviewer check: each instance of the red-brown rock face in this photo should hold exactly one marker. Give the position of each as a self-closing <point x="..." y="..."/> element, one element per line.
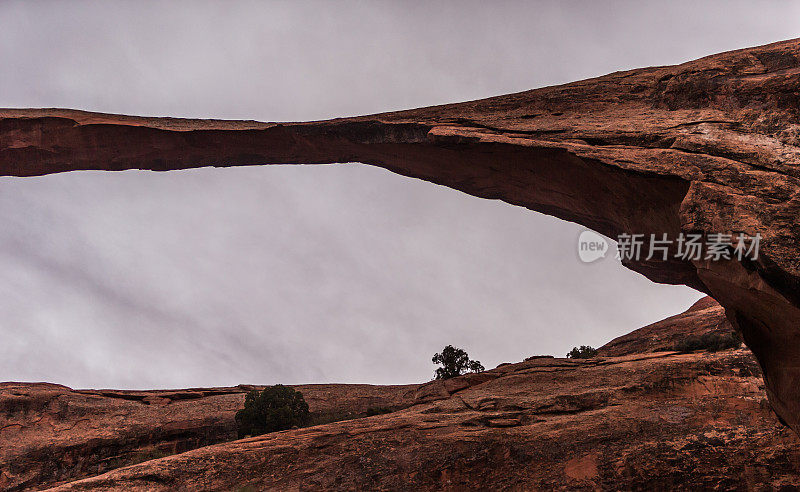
<point x="705" y="316"/>
<point x="50" y="433"/>
<point x="641" y="421"/>
<point x="708" y="146"/>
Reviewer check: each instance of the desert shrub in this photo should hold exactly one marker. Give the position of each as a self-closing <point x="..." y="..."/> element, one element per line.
<point x="454" y="362"/>
<point x="274" y="409"/>
<point x="582" y="352"/>
<point x="711" y="342"/>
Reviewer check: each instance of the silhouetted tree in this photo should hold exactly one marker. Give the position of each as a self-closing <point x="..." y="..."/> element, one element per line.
<point x="454" y="362"/>
<point x="274" y="409"/>
<point x="584" y="352"/>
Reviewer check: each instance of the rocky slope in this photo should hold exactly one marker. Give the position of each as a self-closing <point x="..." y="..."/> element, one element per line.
<point x="640" y="421"/>
<point x="50" y="433"/>
<point x="709" y="146"/>
<point x="704" y="316"/>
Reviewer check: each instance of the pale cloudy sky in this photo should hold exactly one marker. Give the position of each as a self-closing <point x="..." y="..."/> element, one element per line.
<point x="296" y="274"/>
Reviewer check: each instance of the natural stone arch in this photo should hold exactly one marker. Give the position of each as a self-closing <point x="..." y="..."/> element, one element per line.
<point x="709" y="146"/>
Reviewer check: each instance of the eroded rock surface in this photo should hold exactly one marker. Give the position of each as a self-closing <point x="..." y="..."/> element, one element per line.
<point x="704" y="316"/>
<point x="50" y="433"/>
<point x="640" y="421"/>
<point x="708" y="146"/>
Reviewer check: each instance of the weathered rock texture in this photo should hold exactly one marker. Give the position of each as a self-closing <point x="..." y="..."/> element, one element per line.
<point x="708" y="146"/>
<point x="704" y="316"/>
<point x="641" y="421"/>
<point x="50" y="433"/>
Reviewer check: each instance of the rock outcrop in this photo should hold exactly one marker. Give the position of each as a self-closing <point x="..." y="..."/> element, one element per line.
<point x="703" y="317"/>
<point x="708" y="146"/>
<point x="50" y="433"/>
<point x="640" y="421"/>
<point x="660" y="421"/>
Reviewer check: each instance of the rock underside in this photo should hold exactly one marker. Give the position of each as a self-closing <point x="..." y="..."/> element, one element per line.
<point x="709" y="146"/>
<point x="646" y="420"/>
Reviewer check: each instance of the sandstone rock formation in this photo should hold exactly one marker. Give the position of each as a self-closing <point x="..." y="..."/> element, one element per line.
<point x="707" y="146"/>
<point x="704" y="316"/>
<point x="639" y="421"/>
<point x="50" y="433"/>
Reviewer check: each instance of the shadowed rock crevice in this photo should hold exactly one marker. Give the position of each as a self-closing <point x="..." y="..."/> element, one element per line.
<point x="709" y="146"/>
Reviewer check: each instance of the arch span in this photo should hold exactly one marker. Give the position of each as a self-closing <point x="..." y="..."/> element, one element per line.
<point x="708" y="146"/>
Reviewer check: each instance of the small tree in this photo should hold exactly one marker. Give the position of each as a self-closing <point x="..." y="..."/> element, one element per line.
<point x="584" y="352"/>
<point x="274" y="409"/>
<point x="454" y="362"/>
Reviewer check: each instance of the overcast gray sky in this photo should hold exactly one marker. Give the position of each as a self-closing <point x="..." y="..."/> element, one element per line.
<point x="297" y="274"/>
